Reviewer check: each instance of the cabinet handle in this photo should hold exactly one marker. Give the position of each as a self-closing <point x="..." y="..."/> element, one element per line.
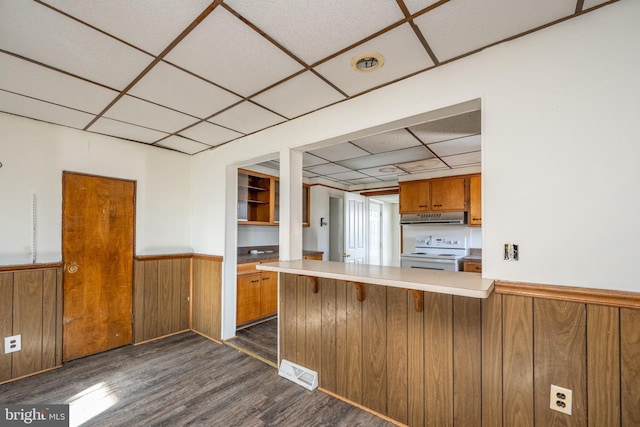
<point x="476" y="219"/>
<point x="265" y="278"/>
<point x="423" y="206"/>
<point x="255" y="281"/>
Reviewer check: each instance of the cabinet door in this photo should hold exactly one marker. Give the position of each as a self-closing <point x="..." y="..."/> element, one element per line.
<point x="269" y="293"/>
<point x="475" y="201"/>
<point x="448" y="194"/>
<point x="472" y="266"/>
<point x="414" y="196"/>
<point x="248" y="298"/>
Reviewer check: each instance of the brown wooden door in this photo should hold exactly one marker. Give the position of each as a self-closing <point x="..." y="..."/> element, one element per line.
<point x="248" y="298"/>
<point x="97" y="249"/>
<point x="268" y="293"/>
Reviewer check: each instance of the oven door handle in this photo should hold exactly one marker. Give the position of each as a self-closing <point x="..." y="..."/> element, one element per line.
<point x="435" y="260"/>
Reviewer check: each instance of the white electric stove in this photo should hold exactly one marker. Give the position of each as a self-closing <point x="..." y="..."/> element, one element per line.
<point x="436" y="253"/>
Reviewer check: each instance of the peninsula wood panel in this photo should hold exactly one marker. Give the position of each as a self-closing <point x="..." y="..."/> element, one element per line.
<point x="467" y="366"/>
<point x="397" y="353"/>
<point x="374" y="351"/>
<point x="288" y="316"/>
<point x="492" y="350"/>
<point x="603" y="365"/>
<point x="464" y="361"/>
<point x="560" y="358"/>
<point x="31" y="306"/>
<point x="438" y="342"/>
<point x="207" y="296"/>
<point x="313" y="328"/>
<point x="517" y="370"/>
<point x="161" y="296"/>
<point x="630" y="349"/>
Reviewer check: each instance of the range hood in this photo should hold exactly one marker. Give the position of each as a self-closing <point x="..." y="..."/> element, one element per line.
<point x="434" y="218"/>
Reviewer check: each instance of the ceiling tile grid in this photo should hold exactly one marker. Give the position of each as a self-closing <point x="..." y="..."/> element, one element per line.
<point x="192" y="75"/>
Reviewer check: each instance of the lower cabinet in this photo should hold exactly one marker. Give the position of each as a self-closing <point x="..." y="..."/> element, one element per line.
<point x="257" y="294"/>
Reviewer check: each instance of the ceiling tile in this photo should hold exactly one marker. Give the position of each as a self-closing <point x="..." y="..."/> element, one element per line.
<point x="285" y="98"/>
<point x="382" y="170"/>
<point x="212" y="50"/>
<point x="142" y="113"/>
<point x="308" y="174"/>
<point x="347" y="176"/>
<point x="28" y="107"/>
<point x="367" y="180"/>
<point x="149" y="24"/>
<point x="270" y="164"/>
<point x="448" y="128"/>
<point x="398" y="62"/>
<point x="457" y="146"/>
<point x="415" y="6"/>
<point x="183" y="145"/>
<point x="588" y="4"/>
<point x="391" y="157"/>
<point x="458" y="27"/>
<point x="37" y="32"/>
<point x="311" y="160"/>
<point x="388" y="141"/>
<point x="210" y="134"/>
<point x="327" y="169"/>
<point x="171" y="87"/>
<point x="422" y="165"/>
<point x="125" y="130"/>
<point x="316" y="29"/>
<point x="466" y="159"/>
<point x="343" y="151"/>
<point x="27" y="78"/>
<point x="391" y="178"/>
<point x="246" y="118"/>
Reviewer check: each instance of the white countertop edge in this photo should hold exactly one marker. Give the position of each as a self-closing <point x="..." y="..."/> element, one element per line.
<point x="443" y="282"/>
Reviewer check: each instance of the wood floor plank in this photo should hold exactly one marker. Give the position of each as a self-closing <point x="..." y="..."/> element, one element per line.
<point x="184" y="380"/>
<point x="603" y="365"/>
<point x="260" y="339"/>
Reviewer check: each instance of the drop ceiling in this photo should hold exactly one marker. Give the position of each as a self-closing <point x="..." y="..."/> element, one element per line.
<point x="192" y="75"/>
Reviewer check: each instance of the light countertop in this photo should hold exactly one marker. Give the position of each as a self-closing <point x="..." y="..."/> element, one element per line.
<point x="444" y="282"/>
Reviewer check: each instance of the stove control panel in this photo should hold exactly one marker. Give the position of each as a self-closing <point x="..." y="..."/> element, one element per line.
<point x="441" y="242"/>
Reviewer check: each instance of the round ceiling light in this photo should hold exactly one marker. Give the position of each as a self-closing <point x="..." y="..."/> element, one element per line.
<point x="387" y="169"/>
<point x="366" y="62"/>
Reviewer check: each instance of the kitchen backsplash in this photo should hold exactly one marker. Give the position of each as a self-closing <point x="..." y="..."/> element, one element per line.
<point x="410" y="232"/>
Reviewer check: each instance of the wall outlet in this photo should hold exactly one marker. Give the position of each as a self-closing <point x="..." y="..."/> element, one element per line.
<point x="12" y="344"/>
<point x="561" y="399"/>
<point x="511" y="252"/>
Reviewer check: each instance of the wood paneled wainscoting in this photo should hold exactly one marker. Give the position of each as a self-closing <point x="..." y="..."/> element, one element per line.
<point x="207" y="296"/>
<point x="31" y="306"/>
<point x="174" y="293"/>
<point x="459" y="361"/>
<point x="161" y="296"/>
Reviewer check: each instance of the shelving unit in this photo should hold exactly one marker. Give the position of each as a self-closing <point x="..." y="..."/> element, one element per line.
<point x="255" y="198"/>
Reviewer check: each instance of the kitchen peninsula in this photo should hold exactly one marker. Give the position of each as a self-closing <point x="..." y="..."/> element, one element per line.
<point x="389" y="338"/>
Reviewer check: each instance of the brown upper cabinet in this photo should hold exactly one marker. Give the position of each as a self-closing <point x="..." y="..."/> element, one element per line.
<point x="450" y="194"/>
<point x="259" y="199"/>
<point x="475" y="201"/>
<point x="433" y="195"/>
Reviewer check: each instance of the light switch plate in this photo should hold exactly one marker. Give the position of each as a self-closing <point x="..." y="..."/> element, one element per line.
<point x="12" y="344"/>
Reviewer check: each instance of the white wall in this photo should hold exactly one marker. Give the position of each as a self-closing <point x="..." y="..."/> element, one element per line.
<point x="559" y="156"/>
<point x="34" y="154"/>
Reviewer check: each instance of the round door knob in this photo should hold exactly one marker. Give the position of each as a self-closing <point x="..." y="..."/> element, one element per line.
<point x="73" y="268"/>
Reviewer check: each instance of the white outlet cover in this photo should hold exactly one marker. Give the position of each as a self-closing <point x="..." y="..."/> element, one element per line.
<point x="555" y="396"/>
<point x="12" y="344"/>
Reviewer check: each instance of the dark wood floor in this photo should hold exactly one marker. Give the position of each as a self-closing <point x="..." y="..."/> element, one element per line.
<point x="260" y="340"/>
<point x="182" y="380"/>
